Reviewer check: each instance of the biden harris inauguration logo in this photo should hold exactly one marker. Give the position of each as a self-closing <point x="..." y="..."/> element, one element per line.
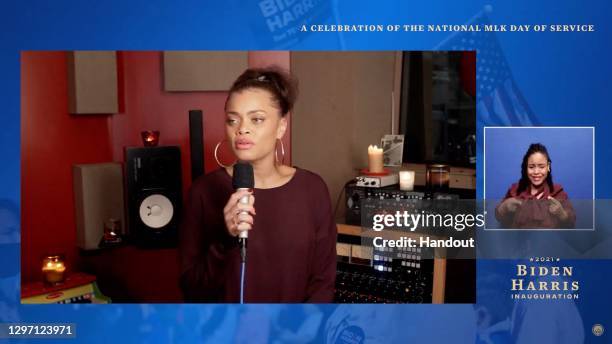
<point x="544" y="278"/>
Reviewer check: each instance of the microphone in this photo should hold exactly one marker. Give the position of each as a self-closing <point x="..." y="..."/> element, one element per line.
<point x="243" y="179"/>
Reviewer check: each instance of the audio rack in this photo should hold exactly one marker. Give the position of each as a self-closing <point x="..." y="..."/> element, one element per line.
<point x="415" y="201"/>
<point x="367" y="274"/>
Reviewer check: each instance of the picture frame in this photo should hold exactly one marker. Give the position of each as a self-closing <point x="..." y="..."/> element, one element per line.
<point x="393" y="149"/>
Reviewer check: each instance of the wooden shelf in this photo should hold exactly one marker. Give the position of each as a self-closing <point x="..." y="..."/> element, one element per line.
<point x="460" y="177"/>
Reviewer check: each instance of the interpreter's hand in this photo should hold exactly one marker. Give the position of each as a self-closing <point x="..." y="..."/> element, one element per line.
<point x="239" y="217"/>
<point x="556" y="208"/>
<point x="511" y="205"/>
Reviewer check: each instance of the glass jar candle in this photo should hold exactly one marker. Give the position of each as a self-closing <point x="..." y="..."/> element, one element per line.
<point x="53" y="269"/>
<point x="438" y="177"/>
<point x="406" y="180"/>
<point x="150" y="138"/>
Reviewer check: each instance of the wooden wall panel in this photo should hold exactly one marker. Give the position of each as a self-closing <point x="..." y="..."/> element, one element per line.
<point x="92" y="82"/>
<point x="202" y="70"/>
<point x="344" y="105"/>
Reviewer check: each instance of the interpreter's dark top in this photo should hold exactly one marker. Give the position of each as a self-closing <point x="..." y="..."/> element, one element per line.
<point x="534" y="212"/>
<point x="291" y="249"/>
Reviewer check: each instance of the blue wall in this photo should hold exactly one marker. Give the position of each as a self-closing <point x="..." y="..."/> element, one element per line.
<point x="570" y="149"/>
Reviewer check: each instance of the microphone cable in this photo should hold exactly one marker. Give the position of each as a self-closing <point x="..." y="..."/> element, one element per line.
<point x="243" y="178"/>
<point x="243" y="244"/>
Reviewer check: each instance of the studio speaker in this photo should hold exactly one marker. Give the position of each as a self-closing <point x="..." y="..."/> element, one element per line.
<point x="353" y="197"/>
<point x="196" y="143"/>
<point x="98" y="198"/>
<point x="154" y="195"/>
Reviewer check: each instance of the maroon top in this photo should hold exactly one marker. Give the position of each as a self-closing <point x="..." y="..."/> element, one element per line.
<point x="534" y="212"/>
<point x="291" y="249"/>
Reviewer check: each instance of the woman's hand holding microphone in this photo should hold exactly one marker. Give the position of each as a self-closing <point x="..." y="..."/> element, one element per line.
<point x="238" y="216"/>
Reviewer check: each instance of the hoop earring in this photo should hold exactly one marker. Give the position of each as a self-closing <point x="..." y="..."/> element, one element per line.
<point x="282" y="161"/>
<point x="216" y="155"/>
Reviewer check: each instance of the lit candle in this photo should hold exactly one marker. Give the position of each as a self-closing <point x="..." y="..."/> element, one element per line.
<point x="150" y="138"/>
<point x="406" y="180"/>
<point x="53" y="269"/>
<point x="375" y="159"/>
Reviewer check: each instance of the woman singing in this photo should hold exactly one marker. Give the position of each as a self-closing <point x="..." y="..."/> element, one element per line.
<point x="535" y="202"/>
<point x="292" y="233"/>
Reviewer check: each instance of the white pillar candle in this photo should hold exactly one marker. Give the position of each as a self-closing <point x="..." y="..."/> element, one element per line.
<point x="375" y="159"/>
<point x="406" y="180"/>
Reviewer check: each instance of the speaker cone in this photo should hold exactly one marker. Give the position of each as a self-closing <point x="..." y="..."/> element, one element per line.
<point x="156" y="211"/>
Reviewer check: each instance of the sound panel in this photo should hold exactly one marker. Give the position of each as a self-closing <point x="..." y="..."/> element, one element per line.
<point x="154" y="194"/>
<point x="92" y="82"/>
<point x="188" y="71"/>
<point x="98" y="197"/>
<point x="196" y="143"/>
